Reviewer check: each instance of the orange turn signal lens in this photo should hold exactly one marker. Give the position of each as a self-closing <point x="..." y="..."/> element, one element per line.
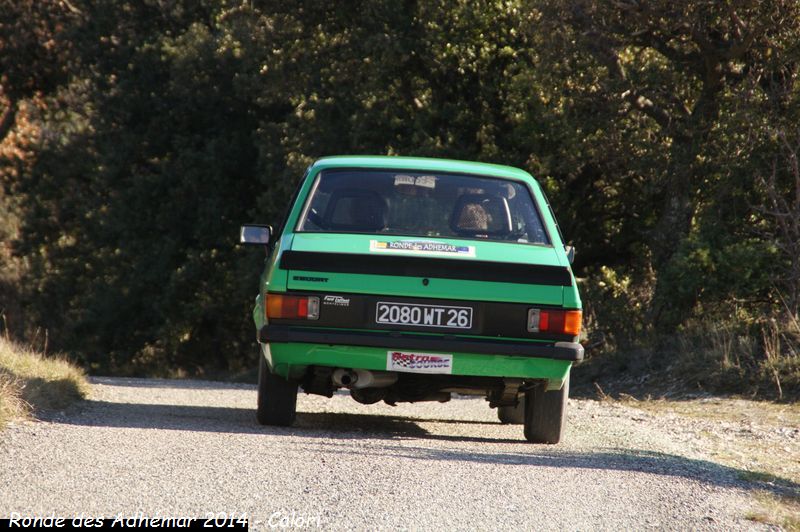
<point x="572" y="322"/>
<point x="281" y="306"/>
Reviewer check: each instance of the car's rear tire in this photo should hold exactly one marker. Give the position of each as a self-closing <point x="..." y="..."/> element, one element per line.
<point x="512" y="415"/>
<point x="546" y="413"/>
<point x="277" y="397"/>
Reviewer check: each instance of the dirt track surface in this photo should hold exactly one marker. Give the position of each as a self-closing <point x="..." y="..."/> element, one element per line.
<point x="186" y="448"/>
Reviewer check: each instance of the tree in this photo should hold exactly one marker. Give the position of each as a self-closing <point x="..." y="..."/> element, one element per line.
<point x="36" y="52"/>
<point x="678" y="65"/>
<point x="646" y="122"/>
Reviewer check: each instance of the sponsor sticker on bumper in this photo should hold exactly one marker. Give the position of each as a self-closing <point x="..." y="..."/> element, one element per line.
<point x="419" y="362"/>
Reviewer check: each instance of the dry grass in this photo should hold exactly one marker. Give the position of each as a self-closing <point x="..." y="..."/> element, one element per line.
<point x="759" y="360"/>
<point x="11" y="404"/>
<point x="30" y="382"/>
<point x="776" y="510"/>
<point x="759" y="438"/>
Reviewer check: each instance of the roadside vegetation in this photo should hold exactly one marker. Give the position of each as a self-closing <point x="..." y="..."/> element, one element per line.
<point x="777" y="510"/>
<point x="135" y="138"/>
<point x="760" y="361"/>
<point x="752" y="353"/>
<point x="31" y="382"/>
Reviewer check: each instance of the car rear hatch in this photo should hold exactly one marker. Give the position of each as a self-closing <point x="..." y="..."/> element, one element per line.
<point x="429" y="296"/>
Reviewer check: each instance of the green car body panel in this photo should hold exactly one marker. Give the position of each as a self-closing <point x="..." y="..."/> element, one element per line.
<point x="291" y="359"/>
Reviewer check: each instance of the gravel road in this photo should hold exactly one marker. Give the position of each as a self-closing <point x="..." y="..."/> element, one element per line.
<point x="178" y="448"/>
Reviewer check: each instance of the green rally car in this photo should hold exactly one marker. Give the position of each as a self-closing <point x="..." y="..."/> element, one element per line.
<point x="409" y="279"/>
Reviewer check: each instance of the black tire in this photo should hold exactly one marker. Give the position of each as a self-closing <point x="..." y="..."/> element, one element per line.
<point x="277" y="397"/>
<point x="512" y="415"/>
<point x="546" y="413"/>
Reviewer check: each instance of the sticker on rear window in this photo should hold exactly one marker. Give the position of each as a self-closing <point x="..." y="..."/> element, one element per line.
<point x="427" y="181"/>
<point x="421" y="247"/>
<point x="419" y="362"/>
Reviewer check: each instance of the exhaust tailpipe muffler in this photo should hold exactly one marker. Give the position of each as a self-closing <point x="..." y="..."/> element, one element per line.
<point x="363" y="378"/>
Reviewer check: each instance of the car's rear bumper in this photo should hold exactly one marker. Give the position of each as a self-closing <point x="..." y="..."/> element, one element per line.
<point x="566" y="351"/>
<point x="292" y="360"/>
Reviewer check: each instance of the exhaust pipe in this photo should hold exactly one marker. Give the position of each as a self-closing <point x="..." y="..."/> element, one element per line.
<point x="363" y="378"/>
<point x="344" y="377"/>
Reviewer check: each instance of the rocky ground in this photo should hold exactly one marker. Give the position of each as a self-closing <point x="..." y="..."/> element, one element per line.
<point x="172" y="448"/>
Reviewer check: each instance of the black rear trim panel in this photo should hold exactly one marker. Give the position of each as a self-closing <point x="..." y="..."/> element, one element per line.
<point x="475" y="270"/>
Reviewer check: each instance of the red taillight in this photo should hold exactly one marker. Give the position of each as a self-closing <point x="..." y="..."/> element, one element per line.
<point x="554" y="321"/>
<point x="281" y="306"/>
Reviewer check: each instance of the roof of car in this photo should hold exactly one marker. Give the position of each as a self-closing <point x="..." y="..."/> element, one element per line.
<point x="425" y="164"/>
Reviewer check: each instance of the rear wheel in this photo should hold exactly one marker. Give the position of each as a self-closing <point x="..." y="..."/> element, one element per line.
<point x="277" y="397"/>
<point x="545" y="413"/>
<point x="512" y="415"/>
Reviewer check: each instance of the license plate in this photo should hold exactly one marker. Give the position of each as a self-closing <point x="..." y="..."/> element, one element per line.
<point x="441" y="316"/>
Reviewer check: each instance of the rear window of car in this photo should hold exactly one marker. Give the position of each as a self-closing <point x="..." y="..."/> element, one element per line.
<point x="424" y="205"/>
